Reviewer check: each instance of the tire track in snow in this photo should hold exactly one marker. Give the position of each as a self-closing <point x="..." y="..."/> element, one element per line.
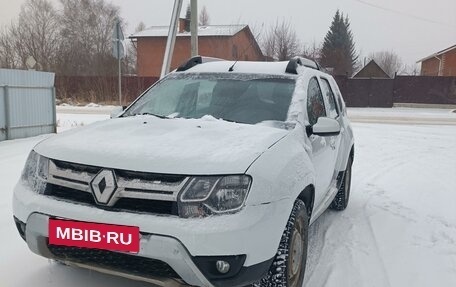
<point x="331" y="238"/>
<point x="376" y="244"/>
<point x="326" y="239"/>
<point x="374" y="195"/>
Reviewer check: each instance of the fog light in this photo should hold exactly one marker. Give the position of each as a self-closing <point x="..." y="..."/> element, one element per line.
<point x="20" y="227"/>
<point x="222" y="266"/>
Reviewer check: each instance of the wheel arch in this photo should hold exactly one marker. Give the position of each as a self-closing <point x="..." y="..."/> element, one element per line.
<point x="308" y="196"/>
<point x="352" y="153"/>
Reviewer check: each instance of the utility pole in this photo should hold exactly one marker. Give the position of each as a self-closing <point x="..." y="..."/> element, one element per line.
<point x="118" y="51"/>
<point x="194" y="27"/>
<point x="171" y="38"/>
<point x="119" y="63"/>
<point x="173" y="32"/>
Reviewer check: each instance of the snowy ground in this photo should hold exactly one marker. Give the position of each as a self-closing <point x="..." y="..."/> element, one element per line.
<point x="403" y="116"/>
<point x="399" y="229"/>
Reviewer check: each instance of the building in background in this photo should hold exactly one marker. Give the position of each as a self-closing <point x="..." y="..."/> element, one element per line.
<point x="372" y="71"/>
<point x="229" y="42"/>
<point x="442" y="63"/>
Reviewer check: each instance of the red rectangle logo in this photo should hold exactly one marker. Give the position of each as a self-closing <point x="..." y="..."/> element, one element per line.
<point x="94" y="235"/>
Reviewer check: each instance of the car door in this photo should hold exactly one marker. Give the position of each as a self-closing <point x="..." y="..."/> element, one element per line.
<point x="332" y="112"/>
<point x="321" y="150"/>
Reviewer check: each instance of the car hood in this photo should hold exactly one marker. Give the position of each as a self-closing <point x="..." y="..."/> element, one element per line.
<point x="172" y="146"/>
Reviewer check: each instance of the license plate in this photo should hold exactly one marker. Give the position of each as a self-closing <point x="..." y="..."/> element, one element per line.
<point x="94" y="235"/>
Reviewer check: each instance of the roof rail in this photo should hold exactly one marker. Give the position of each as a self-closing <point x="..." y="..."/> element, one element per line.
<point x="197" y="60"/>
<point x="293" y="64"/>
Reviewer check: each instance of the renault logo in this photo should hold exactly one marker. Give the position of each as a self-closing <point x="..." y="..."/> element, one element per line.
<point x="104" y="186"/>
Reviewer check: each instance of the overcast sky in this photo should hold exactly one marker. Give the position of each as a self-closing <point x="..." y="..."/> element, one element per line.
<point x="413" y="29"/>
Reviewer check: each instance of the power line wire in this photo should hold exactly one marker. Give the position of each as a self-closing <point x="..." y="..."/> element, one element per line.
<point x="405" y="14"/>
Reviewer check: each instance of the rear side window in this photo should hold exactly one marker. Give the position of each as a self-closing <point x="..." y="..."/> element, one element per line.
<point x="315" y="102"/>
<point x="329" y="95"/>
<point x="340" y="102"/>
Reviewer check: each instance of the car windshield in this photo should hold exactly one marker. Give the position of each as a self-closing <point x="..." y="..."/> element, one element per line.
<point x="240" y="98"/>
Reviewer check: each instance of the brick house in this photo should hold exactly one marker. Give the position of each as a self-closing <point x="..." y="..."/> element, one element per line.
<point x="370" y="71"/>
<point x="230" y="42"/>
<point x="442" y="63"/>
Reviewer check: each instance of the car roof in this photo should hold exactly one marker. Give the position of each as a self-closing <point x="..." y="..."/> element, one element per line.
<point x="212" y="65"/>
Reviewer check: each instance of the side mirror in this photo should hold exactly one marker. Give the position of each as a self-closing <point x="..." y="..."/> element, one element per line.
<point x="326" y="127"/>
<point x="116" y="111"/>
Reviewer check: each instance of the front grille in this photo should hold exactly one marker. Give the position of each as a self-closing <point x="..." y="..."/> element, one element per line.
<point x="121" y="262"/>
<point x="77" y="167"/>
<point x="169" y="178"/>
<point x="165" y="178"/>
<point x="129" y="190"/>
<point x="123" y="204"/>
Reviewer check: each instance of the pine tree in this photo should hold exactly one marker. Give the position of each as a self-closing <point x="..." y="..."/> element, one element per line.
<point x="338" y="50"/>
<point x="188" y="12"/>
<point x="188" y="18"/>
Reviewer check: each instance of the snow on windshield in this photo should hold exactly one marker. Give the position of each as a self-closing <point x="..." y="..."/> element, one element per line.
<point x="240" y="98"/>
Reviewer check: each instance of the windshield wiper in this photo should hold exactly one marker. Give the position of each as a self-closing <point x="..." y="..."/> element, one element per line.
<point x="227" y="120"/>
<point x="151" y="114"/>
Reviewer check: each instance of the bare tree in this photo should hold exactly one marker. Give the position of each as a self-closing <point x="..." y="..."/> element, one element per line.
<point x="76" y="39"/>
<point x="312" y="51"/>
<point x="86" y="31"/>
<point x="280" y="42"/>
<point x="389" y="61"/>
<point x="141" y="27"/>
<point x="35" y="34"/>
<point x="8" y="55"/>
<point x="204" y="18"/>
<point x="411" y="70"/>
<point x="73" y="41"/>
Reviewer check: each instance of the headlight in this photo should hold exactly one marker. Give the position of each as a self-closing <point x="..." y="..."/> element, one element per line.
<point x="207" y="195"/>
<point x="35" y="172"/>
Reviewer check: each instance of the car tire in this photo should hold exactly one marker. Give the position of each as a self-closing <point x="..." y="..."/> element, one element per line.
<point x="340" y="202"/>
<point x="289" y="265"/>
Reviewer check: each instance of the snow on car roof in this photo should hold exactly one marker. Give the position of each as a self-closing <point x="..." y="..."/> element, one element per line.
<point x="270" y="68"/>
<point x="212" y="30"/>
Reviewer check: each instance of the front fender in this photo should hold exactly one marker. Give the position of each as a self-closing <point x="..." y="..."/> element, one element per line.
<point x="347" y="143"/>
<point x="283" y="171"/>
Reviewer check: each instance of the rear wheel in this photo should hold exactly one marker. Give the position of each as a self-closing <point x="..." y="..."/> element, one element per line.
<point x="289" y="265"/>
<point x="340" y="202"/>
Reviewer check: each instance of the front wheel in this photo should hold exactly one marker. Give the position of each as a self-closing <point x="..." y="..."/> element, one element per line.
<point x="289" y="265"/>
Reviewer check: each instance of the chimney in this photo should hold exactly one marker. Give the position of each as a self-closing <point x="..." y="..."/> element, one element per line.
<point x="184" y="25"/>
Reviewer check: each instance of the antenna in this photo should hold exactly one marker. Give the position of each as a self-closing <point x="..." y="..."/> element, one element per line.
<point x="231" y="69"/>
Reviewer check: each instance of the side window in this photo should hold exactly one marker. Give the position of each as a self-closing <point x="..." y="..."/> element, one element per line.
<point x="329" y="95"/>
<point x="341" y="103"/>
<point x="315" y="102"/>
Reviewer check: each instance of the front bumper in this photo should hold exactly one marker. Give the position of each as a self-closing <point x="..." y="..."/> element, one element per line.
<point x="254" y="232"/>
<point x="165" y="249"/>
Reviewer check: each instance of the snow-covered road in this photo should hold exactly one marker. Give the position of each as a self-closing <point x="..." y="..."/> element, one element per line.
<point x="399" y="229"/>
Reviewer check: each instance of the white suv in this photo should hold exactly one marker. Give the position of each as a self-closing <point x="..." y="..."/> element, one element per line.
<point x="210" y="178"/>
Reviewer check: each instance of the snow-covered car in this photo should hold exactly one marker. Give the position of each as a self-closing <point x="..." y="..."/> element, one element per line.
<point x="210" y="178"/>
